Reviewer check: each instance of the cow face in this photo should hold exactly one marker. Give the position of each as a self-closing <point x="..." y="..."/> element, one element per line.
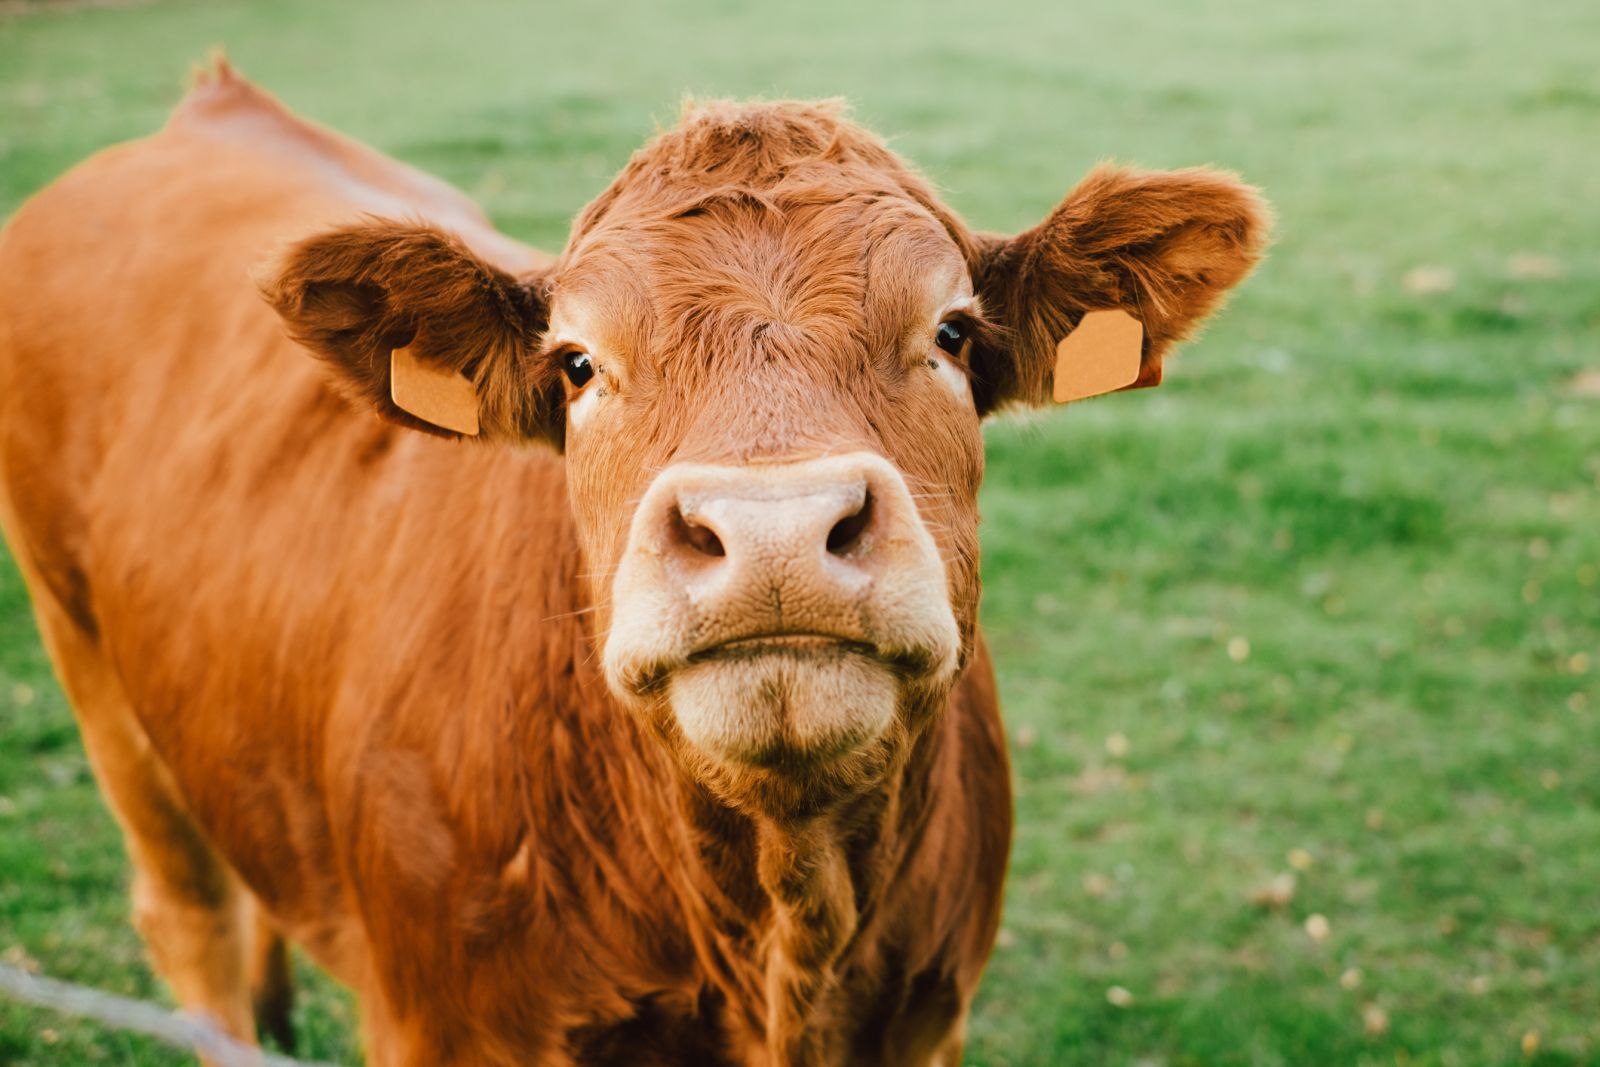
<point x="765" y="353"/>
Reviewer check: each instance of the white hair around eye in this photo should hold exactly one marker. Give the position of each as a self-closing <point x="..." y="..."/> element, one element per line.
<point x="569" y="335"/>
<point x="944" y="363"/>
<point x="583" y="405"/>
<point x="954" y="378"/>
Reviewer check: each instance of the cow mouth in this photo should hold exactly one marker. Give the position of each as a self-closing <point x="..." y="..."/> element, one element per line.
<point x="791" y="643"/>
<point x="783" y="699"/>
<point x="909" y="661"/>
<point x="791" y="701"/>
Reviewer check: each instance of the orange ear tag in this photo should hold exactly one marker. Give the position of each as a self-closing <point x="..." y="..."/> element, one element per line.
<point x="443" y="398"/>
<point x="1101" y="355"/>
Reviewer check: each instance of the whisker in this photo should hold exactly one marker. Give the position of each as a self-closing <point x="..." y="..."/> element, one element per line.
<point x="570" y="614"/>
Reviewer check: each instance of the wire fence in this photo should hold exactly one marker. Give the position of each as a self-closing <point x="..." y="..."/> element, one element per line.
<point x="196" y="1033"/>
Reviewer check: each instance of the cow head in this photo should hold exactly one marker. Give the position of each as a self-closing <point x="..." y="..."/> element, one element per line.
<point x="765" y="352"/>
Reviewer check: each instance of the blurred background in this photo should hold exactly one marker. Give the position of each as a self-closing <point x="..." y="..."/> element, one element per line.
<point x="1299" y="653"/>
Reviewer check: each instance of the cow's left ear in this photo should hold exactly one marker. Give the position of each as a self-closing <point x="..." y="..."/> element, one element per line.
<point x="422" y="330"/>
<point x="1162" y="246"/>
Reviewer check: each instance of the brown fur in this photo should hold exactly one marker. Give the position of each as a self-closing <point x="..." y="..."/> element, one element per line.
<point x="338" y="679"/>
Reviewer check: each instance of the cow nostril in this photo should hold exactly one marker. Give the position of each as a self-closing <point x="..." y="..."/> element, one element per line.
<point x="846" y="533"/>
<point x="700" y="538"/>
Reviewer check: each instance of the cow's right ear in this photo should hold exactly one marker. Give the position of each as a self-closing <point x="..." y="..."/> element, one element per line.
<point x="1149" y="253"/>
<point x="459" y="334"/>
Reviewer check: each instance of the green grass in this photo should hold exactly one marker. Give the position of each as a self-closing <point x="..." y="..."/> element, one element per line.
<point x="1332" y="588"/>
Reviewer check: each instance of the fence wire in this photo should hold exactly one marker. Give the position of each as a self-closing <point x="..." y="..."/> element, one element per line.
<point x="196" y="1033"/>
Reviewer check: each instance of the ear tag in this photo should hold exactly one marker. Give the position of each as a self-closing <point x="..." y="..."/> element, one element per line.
<point x="443" y="398"/>
<point x="1101" y="355"/>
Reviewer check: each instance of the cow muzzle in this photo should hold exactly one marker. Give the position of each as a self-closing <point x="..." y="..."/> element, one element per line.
<point x="780" y="612"/>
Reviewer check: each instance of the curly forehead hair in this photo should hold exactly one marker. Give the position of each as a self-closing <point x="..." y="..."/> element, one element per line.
<point x="774" y="156"/>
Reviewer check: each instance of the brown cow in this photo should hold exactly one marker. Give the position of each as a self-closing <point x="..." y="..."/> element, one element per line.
<point x="656" y="730"/>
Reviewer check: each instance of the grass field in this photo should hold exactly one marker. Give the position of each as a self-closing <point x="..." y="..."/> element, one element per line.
<point x="1325" y="605"/>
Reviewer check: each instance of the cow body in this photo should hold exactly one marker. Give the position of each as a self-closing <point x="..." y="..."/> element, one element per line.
<point x="361" y="654"/>
<point x="602" y="758"/>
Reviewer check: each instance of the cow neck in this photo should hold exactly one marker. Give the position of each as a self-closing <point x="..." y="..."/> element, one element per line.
<point x="806" y="893"/>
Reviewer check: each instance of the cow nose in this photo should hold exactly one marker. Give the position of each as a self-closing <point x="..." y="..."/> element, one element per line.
<point x="720" y="522"/>
<point x="781" y="547"/>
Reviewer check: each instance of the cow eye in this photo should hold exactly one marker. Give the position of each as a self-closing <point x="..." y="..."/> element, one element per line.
<point x="579" y="368"/>
<point x="951" y="337"/>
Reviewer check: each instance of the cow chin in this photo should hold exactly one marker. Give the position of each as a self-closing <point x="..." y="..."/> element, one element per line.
<point x="783" y="708"/>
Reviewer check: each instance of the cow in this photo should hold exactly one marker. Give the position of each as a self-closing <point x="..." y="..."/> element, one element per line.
<point x="635" y="712"/>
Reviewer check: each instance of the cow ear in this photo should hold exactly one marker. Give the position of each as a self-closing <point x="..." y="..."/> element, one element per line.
<point x="419" y="328"/>
<point x="1160" y="246"/>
